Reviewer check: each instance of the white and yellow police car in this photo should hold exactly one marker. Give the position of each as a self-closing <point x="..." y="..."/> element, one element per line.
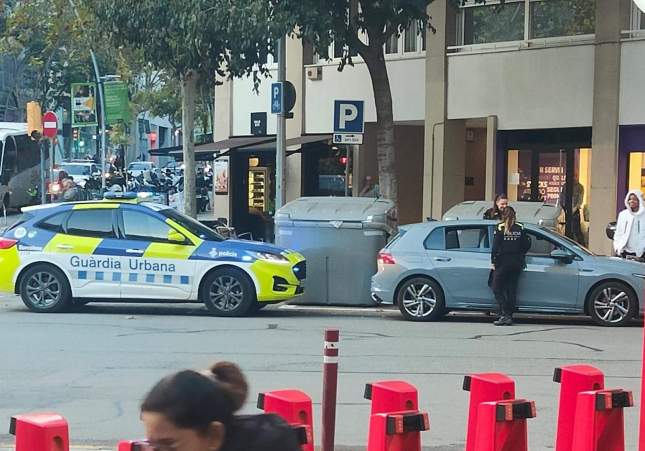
<point x="129" y="249"/>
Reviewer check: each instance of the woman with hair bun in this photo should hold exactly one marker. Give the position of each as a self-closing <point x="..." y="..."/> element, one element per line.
<point x="195" y="411"/>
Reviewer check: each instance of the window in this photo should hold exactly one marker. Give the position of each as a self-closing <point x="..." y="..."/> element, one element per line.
<point x="435" y="240"/>
<point x="392" y="45"/>
<point x="92" y="223"/>
<point x="541" y="246"/>
<point x="194" y="227"/>
<point x="551" y="18"/>
<point x="411" y="38"/>
<point x="54" y="223"/>
<point x="143" y="227"/>
<point x="469" y="238"/>
<point x="493" y="23"/>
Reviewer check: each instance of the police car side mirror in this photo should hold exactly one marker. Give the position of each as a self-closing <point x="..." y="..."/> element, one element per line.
<point x="176" y="237"/>
<point x="562" y="256"/>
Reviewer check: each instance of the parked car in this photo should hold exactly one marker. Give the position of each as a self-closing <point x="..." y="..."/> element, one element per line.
<point x="137" y="168"/>
<point x="431" y="268"/>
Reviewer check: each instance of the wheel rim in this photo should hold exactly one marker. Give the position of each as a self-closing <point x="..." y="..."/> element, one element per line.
<point x="43" y="289"/>
<point x="419" y="300"/>
<point x="612" y="305"/>
<point x="226" y="293"/>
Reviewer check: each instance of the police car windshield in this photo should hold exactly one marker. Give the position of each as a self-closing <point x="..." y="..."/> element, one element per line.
<point x="75" y="169"/>
<point x="194" y="227"/>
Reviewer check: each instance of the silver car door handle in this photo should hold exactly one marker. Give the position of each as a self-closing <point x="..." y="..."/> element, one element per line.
<point x="442" y="259"/>
<point x="134" y="251"/>
<point x="64" y="246"/>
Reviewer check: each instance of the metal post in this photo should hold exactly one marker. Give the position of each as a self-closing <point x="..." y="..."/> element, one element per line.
<point x="281" y="138"/>
<point x="43" y="184"/>
<point x="52" y="154"/>
<point x="99" y="85"/>
<point x="347" y="153"/>
<point x="330" y="388"/>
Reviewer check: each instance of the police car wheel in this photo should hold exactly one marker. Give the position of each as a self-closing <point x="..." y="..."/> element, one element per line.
<point x="421" y="299"/>
<point x="44" y="289"/>
<point x="228" y="292"/>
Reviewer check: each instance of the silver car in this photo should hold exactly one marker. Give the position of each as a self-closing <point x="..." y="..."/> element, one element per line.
<point x="434" y="267"/>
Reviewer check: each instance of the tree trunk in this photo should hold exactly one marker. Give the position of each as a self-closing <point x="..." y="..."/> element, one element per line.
<point x="188" y="90"/>
<point x="385" y="152"/>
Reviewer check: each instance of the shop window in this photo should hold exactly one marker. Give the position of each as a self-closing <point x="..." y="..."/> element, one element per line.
<point x="636" y="171"/>
<point x="493" y="23"/>
<point x="518" y="187"/>
<point x="552" y="18"/>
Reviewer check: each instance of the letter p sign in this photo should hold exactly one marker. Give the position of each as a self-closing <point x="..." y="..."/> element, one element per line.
<point x="348" y="116"/>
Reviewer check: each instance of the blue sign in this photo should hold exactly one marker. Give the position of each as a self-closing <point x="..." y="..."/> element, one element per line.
<point x="277" y="104"/>
<point x="348" y="116"/>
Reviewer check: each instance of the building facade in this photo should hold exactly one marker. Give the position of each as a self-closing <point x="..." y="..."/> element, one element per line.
<point x="539" y="99"/>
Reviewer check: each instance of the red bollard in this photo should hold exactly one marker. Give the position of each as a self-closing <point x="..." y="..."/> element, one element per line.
<point x="573" y="379"/>
<point x="397" y="431"/>
<point x="330" y="388"/>
<point x="501" y="425"/>
<point x="129" y="445"/>
<point x="392" y="396"/>
<point x="295" y="407"/>
<point x="484" y="387"/>
<point x="599" y="423"/>
<point x="40" y="431"/>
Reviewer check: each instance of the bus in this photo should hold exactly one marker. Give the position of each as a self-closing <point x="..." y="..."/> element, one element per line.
<point x="19" y="165"/>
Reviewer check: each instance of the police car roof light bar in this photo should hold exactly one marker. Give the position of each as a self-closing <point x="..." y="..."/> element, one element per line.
<point x="119" y="196"/>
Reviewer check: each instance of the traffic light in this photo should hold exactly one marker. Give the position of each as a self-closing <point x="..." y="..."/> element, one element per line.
<point x="34" y="120"/>
<point x="343" y="160"/>
<point x="75" y="134"/>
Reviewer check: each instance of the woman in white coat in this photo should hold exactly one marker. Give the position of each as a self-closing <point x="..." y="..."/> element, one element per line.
<point x="629" y="238"/>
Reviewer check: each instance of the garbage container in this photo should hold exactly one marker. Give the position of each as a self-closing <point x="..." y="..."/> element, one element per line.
<point x="340" y="237"/>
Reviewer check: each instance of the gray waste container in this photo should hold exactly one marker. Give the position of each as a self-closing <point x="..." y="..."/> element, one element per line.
<point x="340" y="237"/>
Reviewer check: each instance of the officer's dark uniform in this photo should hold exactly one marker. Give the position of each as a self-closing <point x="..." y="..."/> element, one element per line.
<point x="507" y="255"/>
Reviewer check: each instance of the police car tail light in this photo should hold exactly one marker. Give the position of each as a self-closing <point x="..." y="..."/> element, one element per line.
<point x="385" y="258"/>
<point x="6" y="243"/>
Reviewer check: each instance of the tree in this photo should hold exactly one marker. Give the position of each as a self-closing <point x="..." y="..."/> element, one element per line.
<point x="190" y="40"/>
<point x="360" y="27"/>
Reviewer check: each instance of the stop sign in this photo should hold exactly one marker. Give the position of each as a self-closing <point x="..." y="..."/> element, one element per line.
<point x="50" y="124"/>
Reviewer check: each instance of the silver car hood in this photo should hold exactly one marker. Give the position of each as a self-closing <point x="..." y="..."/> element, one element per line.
<point x="616" y="265"/>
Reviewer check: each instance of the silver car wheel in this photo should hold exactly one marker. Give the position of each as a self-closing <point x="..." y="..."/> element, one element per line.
<point x="419" y="300"/>
<point x="226" y="293"/>
<point x="43" y="289"/>
<point x="612" y="305"/>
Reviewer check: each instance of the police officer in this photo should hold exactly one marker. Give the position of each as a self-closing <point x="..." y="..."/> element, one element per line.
<point x="509" y="249"/>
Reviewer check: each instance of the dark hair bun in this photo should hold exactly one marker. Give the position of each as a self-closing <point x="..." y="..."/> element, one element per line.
<point x="230" y="376"/>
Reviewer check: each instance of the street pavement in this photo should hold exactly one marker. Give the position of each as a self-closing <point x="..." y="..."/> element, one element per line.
<point x="94" y="366"/>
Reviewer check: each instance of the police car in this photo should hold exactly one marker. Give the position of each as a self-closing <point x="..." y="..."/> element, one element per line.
<point x="127" y="248"/>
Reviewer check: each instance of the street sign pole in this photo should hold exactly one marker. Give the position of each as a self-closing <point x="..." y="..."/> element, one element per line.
<point x="99" y="85"/>
<point x="281" y="141"/>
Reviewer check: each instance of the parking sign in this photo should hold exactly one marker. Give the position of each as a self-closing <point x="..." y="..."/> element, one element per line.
<point x="276" y="98"/>
<point x="348" y="116"/>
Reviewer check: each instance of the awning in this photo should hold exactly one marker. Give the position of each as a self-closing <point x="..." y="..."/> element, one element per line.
<point x="204" y="152"/>
<point x="163" y="151"/>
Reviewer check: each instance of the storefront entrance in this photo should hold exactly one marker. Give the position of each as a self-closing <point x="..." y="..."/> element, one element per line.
<point x="557" y="174"/>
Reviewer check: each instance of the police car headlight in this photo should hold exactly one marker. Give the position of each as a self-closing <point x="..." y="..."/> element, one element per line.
<point x="269" y="257"/>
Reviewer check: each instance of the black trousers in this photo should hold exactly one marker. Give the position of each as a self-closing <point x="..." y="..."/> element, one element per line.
<point x="505" y="281"/>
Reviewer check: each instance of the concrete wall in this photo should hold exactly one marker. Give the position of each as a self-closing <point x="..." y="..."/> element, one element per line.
<point x="246" y="101"/>
<point x="406" y="80"/>
<point x="539" y="88"/>
<point x="632" y="94"/>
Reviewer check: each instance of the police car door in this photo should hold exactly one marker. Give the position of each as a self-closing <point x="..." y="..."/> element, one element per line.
<point x="157" y="267"/>
<point x="85" y="251"/>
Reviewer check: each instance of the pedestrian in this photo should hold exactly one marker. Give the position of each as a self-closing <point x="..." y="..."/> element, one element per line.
<point x="495" y="212"/>
<point x="629" y="238"/>
<point x="70" y="191"/>
<point x="370" y="189"/>
<point x="510" y="246"/>
<point x="195" y="411"/>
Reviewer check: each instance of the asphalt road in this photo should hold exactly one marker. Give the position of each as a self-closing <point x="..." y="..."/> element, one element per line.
<point x="95" y="365"/>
